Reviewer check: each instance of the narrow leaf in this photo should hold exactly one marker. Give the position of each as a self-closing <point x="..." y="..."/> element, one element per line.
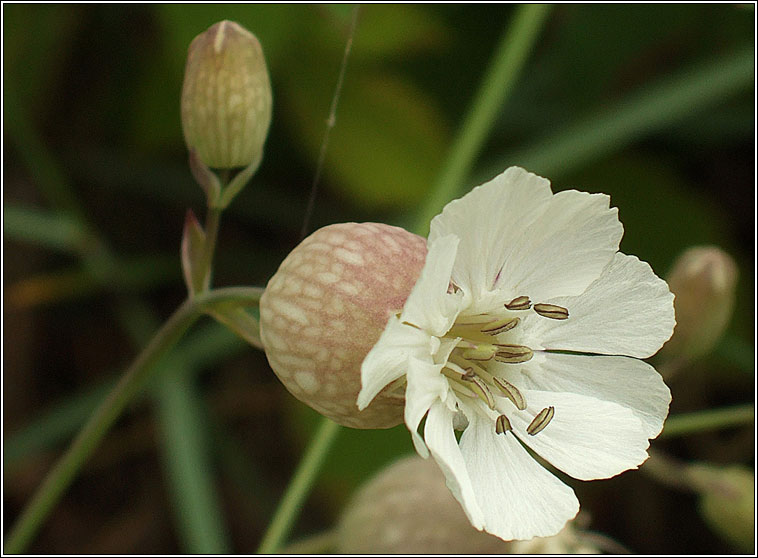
<point x="239" y="321"/>
<point x="239" y="181"/>
<point x="186" y="452"/>
<point x="56" y="230"/>
<point x="193" y="248"/>
<point x="205" y="177"/>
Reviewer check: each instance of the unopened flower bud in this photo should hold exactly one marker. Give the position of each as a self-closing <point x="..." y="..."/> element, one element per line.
<point x="326" y="307"/>
<point x="226" y="97"/>
<point x="727" y="501"/>
<point x="408" y="509"/>
<point x="703" y="279"/>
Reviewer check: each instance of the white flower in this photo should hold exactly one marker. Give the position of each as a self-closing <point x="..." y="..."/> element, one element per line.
<point x="520" y="331"/>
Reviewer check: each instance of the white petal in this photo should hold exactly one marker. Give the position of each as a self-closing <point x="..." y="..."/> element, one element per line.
<point x="627" y="311"/>
<point x="425" y="386"/>
<point x="440" y="439"/>
<point x="565" y="249"/>
<point x="587" y="438"/>
<point x="519" y="498"/>
<point x="488" y="219"/>
<point x="430" y="306"/>
<point x="388" y="359"/>
<point x="629" y="382"/>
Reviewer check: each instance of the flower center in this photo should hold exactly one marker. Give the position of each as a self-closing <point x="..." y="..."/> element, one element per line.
<point x="483" y="339"/>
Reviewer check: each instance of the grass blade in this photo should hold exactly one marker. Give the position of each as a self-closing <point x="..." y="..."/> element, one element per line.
<point x="185" y="445"/>
<point x="649" y="110"/>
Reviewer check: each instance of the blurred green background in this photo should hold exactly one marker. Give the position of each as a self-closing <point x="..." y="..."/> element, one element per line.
<point x="652" y="104"/>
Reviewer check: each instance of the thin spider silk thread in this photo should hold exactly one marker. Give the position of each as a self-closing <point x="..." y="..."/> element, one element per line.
<point x="330" y="122"/>
<point x="299" y="485"/>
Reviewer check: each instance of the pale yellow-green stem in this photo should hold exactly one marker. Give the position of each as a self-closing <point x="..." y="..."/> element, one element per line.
<point x="134" y="379"/>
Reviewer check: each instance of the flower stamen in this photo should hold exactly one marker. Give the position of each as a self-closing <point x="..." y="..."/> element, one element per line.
<point x="460" y="370"/>
<point x="551" y="311"/>
<point x="502" y="425"/>
<point x="480" y="352"/>
<point x="511" y="392"/>
<point x="476" y="385"/>
<point x="452" y="372"/>
<point x="542" y="419"/>
<point x="500" y="326"/>
<point x="513" y="354"/>
<point x="461" y="389"/>
<point x="505" y="387"/>
<point x="519" y="303"/>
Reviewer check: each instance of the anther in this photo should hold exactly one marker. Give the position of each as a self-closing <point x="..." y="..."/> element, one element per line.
<point x="519" y="303"/>
<point x="480" y="352"/>
<point x="481" y="390"/>
<point x="542" y="419"/>
<point x="551" y="311"/>
<point x="455" y="372"/>
<point x="513" y="354"/>
<point x="511" y="392"/>
<point x="500" y="326"/>
<point x="502" y="425"/>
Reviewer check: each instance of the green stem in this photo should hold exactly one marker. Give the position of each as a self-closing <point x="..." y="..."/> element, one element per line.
<point x="299" y="486"/>
<point x="61" y="476"/>
<point x="135" y="378"/>
<point x="713" y="419"/>
<point x="511" y="53"/>
<point x="249" y="296"/>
